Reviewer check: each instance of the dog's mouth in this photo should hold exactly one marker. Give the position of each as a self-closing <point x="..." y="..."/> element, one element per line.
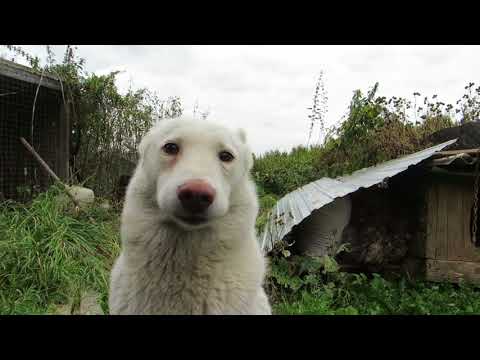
<point x="192" y="220"/>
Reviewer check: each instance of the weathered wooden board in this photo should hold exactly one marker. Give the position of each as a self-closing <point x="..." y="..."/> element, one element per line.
<point x="452" y="271"/>
<point x="448" y="233"/>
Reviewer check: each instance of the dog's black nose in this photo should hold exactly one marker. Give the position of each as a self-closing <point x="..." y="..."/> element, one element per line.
<point x="196" y="196"/>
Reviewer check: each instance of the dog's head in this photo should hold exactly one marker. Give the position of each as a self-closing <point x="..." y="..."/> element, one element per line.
<point x="195" y="166"/>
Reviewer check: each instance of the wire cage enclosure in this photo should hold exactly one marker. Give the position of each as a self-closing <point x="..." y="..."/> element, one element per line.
<point x="20" y="174"/>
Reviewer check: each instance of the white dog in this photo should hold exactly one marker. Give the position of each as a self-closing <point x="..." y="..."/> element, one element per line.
<point x="188" y="236"/>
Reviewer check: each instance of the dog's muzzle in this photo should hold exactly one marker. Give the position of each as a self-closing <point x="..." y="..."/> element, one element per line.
<point x="195" y="196"/>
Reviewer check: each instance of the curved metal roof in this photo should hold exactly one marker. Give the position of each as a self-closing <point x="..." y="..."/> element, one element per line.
<point x="300" y="203"/>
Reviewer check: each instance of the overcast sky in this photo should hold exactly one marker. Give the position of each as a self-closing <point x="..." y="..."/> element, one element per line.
<point x="267" y="89"/>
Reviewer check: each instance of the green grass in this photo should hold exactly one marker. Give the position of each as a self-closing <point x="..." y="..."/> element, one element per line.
<point x="50" y="255"/>
<point x="382" y="297"/>
<point x="309" y="286"/>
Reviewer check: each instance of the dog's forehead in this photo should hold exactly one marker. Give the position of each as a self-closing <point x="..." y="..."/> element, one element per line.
<point x="199" y="132"/>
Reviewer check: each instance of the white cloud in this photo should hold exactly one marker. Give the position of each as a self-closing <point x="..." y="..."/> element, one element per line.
<point x="267" y="89"/>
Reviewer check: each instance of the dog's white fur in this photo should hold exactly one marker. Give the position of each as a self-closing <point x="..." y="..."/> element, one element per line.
<point x="170" y="267"/>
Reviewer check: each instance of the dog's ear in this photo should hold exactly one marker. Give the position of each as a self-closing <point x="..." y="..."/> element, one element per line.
<point x="242" y="135"/>
<point x="142" y="147"/>
<point x="243" y="138"/>
<point x="250" y="160"/>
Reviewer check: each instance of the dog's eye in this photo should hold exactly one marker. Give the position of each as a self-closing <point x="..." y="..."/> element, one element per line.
<point x="225" y="156"/>
<point x="171" y="149"/>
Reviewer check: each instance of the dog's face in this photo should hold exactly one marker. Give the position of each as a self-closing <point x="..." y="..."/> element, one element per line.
<point x="195" y="166"/>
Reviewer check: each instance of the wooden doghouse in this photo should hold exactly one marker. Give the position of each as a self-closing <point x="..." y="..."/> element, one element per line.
<point x="449" y="249"/>
<point x="414" y="213"/>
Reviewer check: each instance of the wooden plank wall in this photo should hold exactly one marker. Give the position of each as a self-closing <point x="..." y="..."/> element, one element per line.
<point x="448" y="235"/>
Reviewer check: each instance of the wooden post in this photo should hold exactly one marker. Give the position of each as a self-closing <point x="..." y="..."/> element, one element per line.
<point x="50" y="172"/>
<point x="63" y="137"/>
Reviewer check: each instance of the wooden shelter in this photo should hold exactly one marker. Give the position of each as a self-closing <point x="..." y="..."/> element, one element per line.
<point x="416" y="213"/>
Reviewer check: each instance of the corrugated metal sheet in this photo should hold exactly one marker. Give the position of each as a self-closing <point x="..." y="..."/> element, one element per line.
<point x="297" y="205"/>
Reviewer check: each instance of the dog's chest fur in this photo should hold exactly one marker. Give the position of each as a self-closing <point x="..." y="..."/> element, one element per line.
<point x="188" y="274"/>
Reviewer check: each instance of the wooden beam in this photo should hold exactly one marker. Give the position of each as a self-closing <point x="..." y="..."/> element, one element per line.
<point x="63" y="136"/>
<point x="437" y="170"/>
<point x="23" y="73"/>
<point x="455" y="152"/>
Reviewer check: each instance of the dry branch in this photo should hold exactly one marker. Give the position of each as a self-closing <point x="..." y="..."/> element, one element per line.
<point x="51" y="173"/>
